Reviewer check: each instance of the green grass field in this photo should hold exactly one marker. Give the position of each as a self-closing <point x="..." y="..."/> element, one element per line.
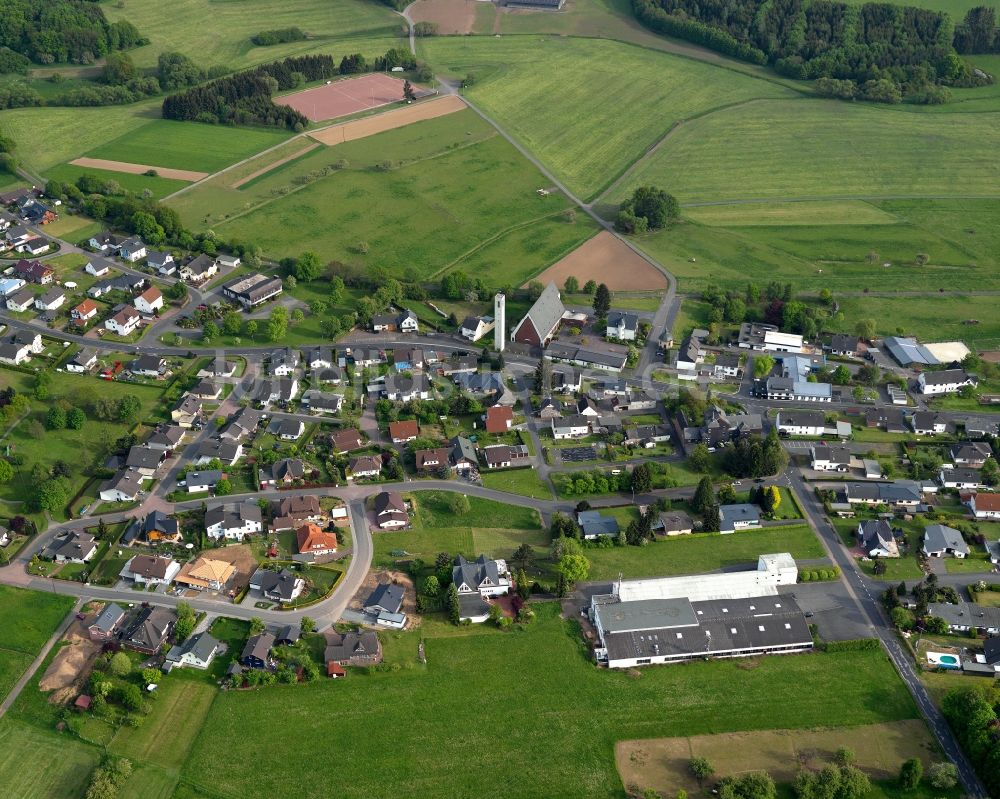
<point x="30" y="617"/>
<point x="167" y="733"/>
<point x="454" y="186"/>
<point x="568" y="715"/>
<point x="700" y="553"/>
<point x="188" y="145"/>
<point x="217" y="32"/>
<point x="957" y="235"/>
<point x="777" y="214"/>
<point x="517" y="481"/>
<point x="533" y="86"/>
<point x="70" y="132"/>
<point x="807" y="149"/>
<point x="137" y="184"/>
<point x="35" y="764"/>
<point x="489" y="528"/>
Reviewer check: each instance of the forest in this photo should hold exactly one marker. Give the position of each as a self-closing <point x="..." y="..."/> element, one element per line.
<point x="245" y="98"/>
<point x="61" y="31"/>
<point x="885" y="51"/>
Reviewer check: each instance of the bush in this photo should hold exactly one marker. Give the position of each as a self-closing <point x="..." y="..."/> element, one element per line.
<point x="278" y="36"/>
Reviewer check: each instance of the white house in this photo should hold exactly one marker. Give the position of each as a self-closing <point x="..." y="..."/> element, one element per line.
<point x="876" y="539"/>
<point x="150" y="570"/>
<point x="475" y="327"/>
<point x="150" y="301"/>
<point x="20" y="301"/>
<point x="830" y="459"/>
<point x="985" y="506"/>
<point x="949" y="381"/>
<point x="14" y="353"/>
<point x="481" y="576"/>
<point x="233" y="522"/>
<point x="125" y="322"/>
<point x="132" y="250"/>
<point x="961" y="478"/>
<point x="622" y="326"/>
<point x="576" y="426"/>
<point x="123" y="487"/>
<point x="198" y="482"/>
<point x="800" y="423"/>
<point x="97" y="267"/>
<point x="196" y="652"/>
<point x="941" y="541"/>
<point x="740" y="516"/>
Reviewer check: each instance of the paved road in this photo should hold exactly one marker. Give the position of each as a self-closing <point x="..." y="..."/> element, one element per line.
<point x="866" y="594"/>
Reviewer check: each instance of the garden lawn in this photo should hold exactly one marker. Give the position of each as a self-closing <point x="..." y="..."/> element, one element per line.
<point x="216" y="33"/>
<point x="545" y="683"/>
<point x="701" y="552"/>
<point x="446" y="193"/>
<point x="36" y="764"/>
<point x="533" y="85"/>
<point x="188" y="145"/>
<point x="811" y="149"/>
<point x="489" y="528"/>
<point x="137" y="184"/>
<point x="525" y="482"/>
<point x="149" y="782"/>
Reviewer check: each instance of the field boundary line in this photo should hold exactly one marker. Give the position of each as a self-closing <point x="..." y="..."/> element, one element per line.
<point x="656" y="145"/>
<point x="869" y="198"/>
<point x="275" y="165"/>
<point x="495" y="237"/>
<point x="291" y="191"/>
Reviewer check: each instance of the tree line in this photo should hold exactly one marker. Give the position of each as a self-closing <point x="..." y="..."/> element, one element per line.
<point x="245" y="98"/>
<point x="885" y="52"/>
<point x="60" y="31"/>
<point x="978" y="32"/>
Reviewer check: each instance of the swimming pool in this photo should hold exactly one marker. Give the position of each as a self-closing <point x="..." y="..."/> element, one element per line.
<point x="943" y="660"/>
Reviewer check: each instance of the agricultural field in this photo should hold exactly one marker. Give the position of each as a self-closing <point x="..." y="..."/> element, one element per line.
<point x="188" y="145"/>
<point x="489" y="528"/>
<point x="416" y="201"/>
<point x="702" y="552"/>
<point x="810" y="149"/>
<point x="35" y="764"/>
<point x="218" y="33"/>
<point x="957" y="235"/>
<point x="70" y="132"/>
<point x="533" y="85"/>
<point x="558" y="688"/>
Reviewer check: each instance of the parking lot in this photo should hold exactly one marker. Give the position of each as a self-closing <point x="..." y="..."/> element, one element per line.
<point x="578" y="454"/>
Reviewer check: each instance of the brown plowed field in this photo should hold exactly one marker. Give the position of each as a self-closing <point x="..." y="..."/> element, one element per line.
<point x="607" y="260"/>
<point x="451" y="16"/>
<point x="397" y="118"/>
<point x="138" y="169"/>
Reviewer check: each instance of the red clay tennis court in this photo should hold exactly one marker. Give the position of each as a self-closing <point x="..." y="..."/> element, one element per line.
<point x="344" y="97"/>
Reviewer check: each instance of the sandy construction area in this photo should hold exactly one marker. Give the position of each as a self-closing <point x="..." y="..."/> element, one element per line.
<point x="71" y="665"/>
<point x="139" y="169"/>
<point x="240" y="557"/>
<point x="397" y="118"/>
<point x="607" y="260"/>
<point x="451" y="16"/>
<point x="275" y="165"/>
<point x="662" y="763"/>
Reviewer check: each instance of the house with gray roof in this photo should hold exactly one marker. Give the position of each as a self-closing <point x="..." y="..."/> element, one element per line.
<point x="876" y="539"/>
<point x="104" y="627"/>
<point x="739" y="516"/>
<point x="71" y="546"/>
<point x="256" y="652"/>
<point x="463" y="454"/>
<point x="353" y="648"/>
<point x="482" y="576"/>
<point x="197" y="652"/>
<point x="941" y="541"/>
<point x="964" y="616"/>
<point x="594" y="524"/>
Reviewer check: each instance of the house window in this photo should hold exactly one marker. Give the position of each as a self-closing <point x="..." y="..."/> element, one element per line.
<point x="679" y="635"/>
<point x="788" y="626"/>
<point x="643" y="661"/>
<point x="725" y="610"/>
<point x="732" y="630"/>
<point x="761" y="628"/>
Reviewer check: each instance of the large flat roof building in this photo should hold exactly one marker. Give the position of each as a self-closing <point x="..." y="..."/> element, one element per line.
<point x="674" y="619"/>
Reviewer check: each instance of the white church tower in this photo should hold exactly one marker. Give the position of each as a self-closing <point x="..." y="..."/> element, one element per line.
<point x="499" y="321"/>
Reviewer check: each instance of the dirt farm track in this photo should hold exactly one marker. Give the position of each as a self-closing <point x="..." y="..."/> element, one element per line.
<point x="607" y="260"/>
